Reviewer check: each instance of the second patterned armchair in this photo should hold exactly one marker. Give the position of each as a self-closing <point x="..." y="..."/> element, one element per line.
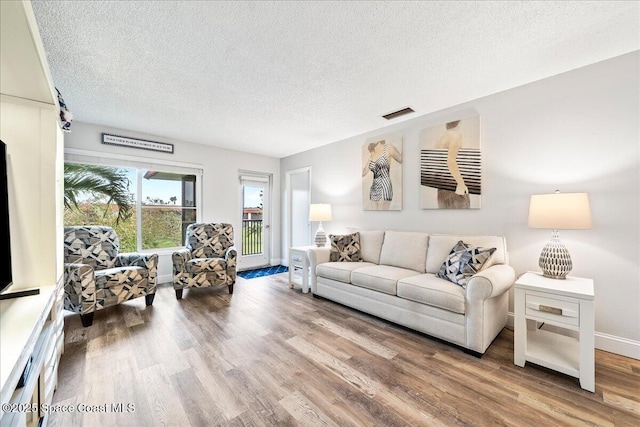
<point x="97" y="276"/>
<point x="209" y="258"/>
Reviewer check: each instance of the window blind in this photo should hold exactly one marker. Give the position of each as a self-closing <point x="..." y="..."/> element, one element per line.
<point x="103" y="159"/>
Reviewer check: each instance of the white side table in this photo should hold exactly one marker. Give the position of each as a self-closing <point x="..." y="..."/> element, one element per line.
<point x="566" y="304"/>
<point x="299" y="267"/>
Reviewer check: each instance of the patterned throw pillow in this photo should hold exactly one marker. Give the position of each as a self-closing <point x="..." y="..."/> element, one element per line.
<point x="463" y="262"/>
<point x="345" y="247"/>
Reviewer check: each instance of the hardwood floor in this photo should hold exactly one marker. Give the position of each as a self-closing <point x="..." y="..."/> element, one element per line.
<point x="270" y="355"/>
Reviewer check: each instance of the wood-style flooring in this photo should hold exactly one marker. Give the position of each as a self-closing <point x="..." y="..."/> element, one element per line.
<point x="270" y="355"/>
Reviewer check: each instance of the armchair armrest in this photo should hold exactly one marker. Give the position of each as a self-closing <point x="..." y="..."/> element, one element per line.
<point x="231" y="256"/>
<point x="79" y="288"/>
<point x="179" y="259"/>
<point x="316" y="256"/>
<point x="231" y="252"/>
<point x="148" y="261"/>
<point x="490" y="283"/>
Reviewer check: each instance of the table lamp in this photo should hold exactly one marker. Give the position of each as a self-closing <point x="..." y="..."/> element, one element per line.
<point x="320" y="212"/>
<point x="558" y="211"/>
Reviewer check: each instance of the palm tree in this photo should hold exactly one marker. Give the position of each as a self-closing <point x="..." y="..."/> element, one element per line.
<point x="101" y="181"/>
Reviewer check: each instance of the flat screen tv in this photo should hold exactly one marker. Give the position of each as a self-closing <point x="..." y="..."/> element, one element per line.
<point x="6" y="276"/>
<point x="4" y="217"/>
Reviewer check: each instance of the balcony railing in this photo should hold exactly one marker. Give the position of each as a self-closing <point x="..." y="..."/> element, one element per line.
<point x="251" y="236"/>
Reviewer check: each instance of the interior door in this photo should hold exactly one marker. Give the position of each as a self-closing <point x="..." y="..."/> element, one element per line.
<point x="255" y="233"/>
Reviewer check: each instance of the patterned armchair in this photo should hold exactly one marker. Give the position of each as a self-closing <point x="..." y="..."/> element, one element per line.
<point x="97" y="276"/>
<point x="209" y="258"/>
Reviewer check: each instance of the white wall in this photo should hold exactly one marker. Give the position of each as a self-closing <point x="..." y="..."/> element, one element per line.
<point x="29" y="125"/>
<point x="31" y="132"/>
<point x="221" y="195"/>
<point x="300" y="201"/>
<point x="576" y="132"/>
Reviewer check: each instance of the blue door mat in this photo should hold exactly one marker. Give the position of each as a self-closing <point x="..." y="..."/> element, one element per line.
<point x="261" y="272"/>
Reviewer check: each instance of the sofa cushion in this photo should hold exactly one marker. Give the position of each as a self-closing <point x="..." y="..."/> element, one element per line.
<point x="440" y="245"/>
<point x="345" y="247"/>
<point x="405" y="250"/>
<point x="340" y="271"/>
<point x="119" y="276"/>
<point x="202" y="265"/>
<point x="463" y="262"/>
<point x="431" y="290"/>
<point x="382" y="278"/>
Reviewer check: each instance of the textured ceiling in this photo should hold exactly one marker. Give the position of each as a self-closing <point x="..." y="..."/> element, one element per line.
<point x="277" y="78"/>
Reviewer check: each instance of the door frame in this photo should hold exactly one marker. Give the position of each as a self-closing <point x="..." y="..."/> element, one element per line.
<point x="248" y="262"/>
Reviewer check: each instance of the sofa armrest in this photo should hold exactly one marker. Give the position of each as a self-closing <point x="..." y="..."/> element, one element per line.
<point x="316" y="256"/>
<point x="490" y="283"/>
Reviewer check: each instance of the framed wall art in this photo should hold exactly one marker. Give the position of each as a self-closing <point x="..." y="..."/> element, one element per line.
<point x="382" y="173"/>
<point x="450" y="165"/>
<point x="124" y="141"/>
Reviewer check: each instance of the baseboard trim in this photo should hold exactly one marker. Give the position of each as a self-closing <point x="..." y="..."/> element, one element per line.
<point x="618" y="345"/>
<point x="165" y="278"/>
<point x="605" y="342"/>
<point x="510" y="319"/>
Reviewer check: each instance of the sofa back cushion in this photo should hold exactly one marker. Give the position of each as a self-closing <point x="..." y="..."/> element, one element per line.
<point x="405" y="250"/>
<point x="371" y="245"/>
<point x="441" y="244"/>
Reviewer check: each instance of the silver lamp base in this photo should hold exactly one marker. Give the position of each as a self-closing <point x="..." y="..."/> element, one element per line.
<point x="321" y="237"/>
<point x="555" y="260"/>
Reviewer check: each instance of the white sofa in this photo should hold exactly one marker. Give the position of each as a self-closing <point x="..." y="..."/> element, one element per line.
<point x="396" y="280"/>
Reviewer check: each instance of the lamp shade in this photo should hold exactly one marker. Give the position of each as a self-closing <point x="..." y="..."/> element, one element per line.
<point x="320" y="212"/>
<point x="560" y="211"/>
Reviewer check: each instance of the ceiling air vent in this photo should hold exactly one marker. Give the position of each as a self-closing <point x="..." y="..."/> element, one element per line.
<point x="406" y="110"/>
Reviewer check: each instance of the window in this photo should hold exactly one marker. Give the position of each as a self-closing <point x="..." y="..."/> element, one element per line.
<point x="161" y="199"/>
<point x="168" y="207"/>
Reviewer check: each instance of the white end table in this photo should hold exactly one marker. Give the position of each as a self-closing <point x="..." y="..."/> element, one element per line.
<point x="299" y="267"/>
<point x="566" y="304"/>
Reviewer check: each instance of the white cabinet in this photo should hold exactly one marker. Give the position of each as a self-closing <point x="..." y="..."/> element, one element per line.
<point x="31" y="338"/>
<point x="565" y="304"/>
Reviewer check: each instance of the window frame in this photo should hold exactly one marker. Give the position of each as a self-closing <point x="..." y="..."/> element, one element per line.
<point x="142" y="163"/>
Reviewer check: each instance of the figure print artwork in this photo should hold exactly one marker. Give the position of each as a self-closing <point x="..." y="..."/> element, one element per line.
<point x="450" y="165"/>
<point x="382" y="173"/>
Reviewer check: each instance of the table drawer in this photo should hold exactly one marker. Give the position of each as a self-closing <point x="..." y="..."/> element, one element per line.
<point x="553" y="309"/>
<point x="297" y="258"/>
